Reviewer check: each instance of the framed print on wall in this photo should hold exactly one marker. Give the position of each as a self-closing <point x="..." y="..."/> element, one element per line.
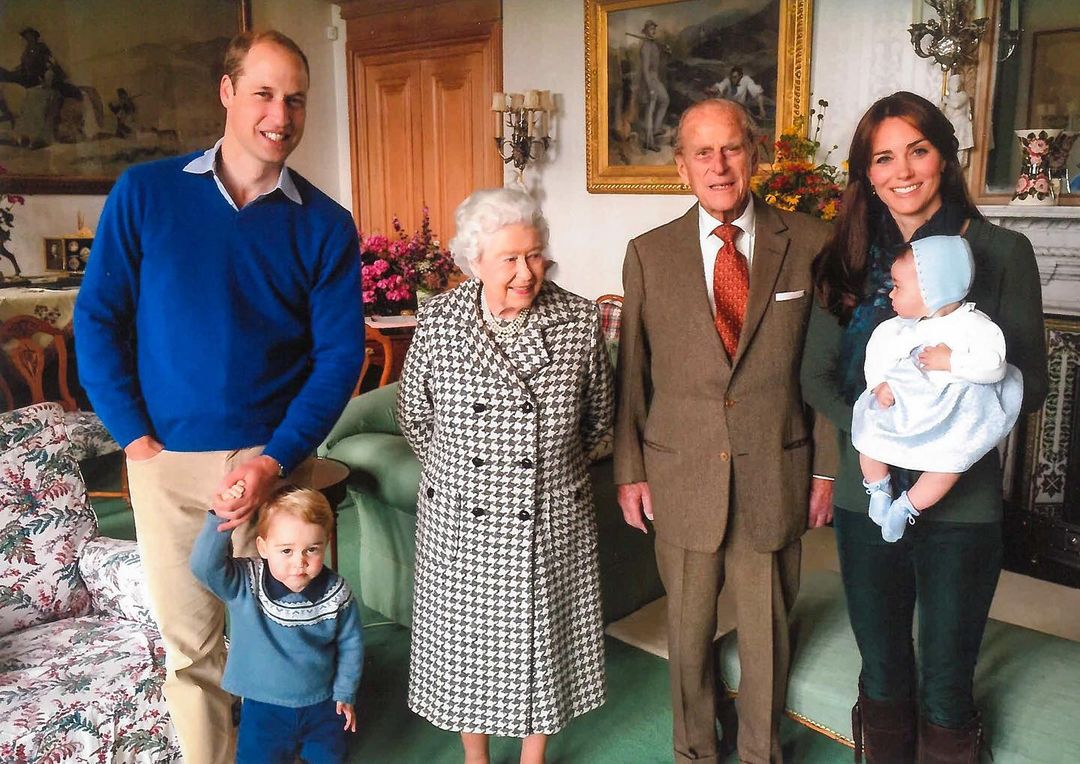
<point x="646" y="61"/>
<point x="88" y="88"/>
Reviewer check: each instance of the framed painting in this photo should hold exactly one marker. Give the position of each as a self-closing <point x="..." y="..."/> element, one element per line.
<point x="89" y="88"/>
<point x="646" y="61"/>
<point x="1055" y="78"/>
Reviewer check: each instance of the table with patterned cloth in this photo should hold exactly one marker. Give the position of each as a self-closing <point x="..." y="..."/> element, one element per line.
<point x="56" y="306"/>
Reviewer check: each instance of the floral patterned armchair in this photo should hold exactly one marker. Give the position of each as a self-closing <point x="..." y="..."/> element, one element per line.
<point x="81" y="661"/>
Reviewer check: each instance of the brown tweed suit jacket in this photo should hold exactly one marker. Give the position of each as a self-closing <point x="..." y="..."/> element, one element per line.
<point x="708" y="432"/>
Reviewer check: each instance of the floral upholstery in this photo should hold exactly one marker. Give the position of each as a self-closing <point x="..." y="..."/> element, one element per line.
<point x="45" y="520"/>
<point x="88" y="435"/>
<point x="81" y="662"/>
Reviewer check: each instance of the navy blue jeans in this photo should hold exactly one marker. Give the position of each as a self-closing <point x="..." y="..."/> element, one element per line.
<point x="271" y="734"/>
<point x="947" y="573"/>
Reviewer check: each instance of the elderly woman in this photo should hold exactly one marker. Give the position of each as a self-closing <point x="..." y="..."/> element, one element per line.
<point x="906" y="184"/>
<point x="506" y="387"/>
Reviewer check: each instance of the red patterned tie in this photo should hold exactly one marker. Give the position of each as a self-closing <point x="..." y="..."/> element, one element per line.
<point x="731" y="283"/>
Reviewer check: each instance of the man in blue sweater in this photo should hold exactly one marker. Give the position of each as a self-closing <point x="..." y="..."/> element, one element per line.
<point x="219" y="331"/>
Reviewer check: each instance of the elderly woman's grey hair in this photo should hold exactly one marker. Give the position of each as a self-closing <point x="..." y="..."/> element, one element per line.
<point x="488" y="210"/>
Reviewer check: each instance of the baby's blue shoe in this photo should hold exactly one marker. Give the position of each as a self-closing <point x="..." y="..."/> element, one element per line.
<point x="897" y="518"/>
<point x="880" y="498"/>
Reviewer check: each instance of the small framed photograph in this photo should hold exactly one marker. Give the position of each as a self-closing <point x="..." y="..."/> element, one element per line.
<point x="76" y="253"/>
<point x="54" y="255"/>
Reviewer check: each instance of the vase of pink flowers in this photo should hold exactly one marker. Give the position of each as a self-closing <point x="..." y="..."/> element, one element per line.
<point x="1033" y="185"/>
<point x="396" y="269"/>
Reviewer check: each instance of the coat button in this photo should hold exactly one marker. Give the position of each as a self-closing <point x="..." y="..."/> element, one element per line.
<point x="477" y="512"/>
<point x="527" y="463"/>
<point x="578" y="494"/>
<point x="477" y="461"/>
<point x="431" y="493"/>
<point x="527" y="407"/>
<point x="724" y="456"/>
<point x="479" y="408"/>
<point x="524" y="515"/>
<point x="729" y="403"/>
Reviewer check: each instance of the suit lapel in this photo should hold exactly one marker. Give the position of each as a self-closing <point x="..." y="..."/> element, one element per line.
<point x="687" y="275"/>
<point x="770" y="249"/>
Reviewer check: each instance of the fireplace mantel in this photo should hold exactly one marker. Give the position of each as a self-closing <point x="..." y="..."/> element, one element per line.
<point x="1055" y="234"/>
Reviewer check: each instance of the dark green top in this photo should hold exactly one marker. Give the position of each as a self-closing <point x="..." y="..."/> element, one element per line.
<point x="1007" y="289"/>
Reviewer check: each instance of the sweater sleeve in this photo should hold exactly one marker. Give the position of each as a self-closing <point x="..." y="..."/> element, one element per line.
<point x="212" y="562"/>
<point x="981" y="358"/>
<point x="820" y="372"/>
<point x="350" y="654"/>
<point x="337" y="351"/>
<point x="105" y="317"/>
<point x="1020" y="318"/>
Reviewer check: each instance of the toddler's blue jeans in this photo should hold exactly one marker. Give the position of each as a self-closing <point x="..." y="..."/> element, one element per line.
<point x="271" y="734"/>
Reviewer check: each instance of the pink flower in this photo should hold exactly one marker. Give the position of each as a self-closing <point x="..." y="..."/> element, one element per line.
<point x="1042" y="185"/>
<point x="1038" y="146"/>
<point x="369" y="296"/>
<point x="15" y="199"/>
<point x="1023" y="184"/>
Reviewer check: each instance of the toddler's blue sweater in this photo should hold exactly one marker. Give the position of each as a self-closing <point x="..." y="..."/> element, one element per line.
<point x="288" y="651"/>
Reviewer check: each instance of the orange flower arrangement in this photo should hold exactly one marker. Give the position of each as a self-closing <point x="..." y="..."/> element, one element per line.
<point x="794" y="182"/>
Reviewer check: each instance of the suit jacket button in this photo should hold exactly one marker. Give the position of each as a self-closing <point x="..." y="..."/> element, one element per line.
<point x="729" y="403"/>
<point x="724" y="456"/>
<point x="527" y="463"/>
<point x="477" y="461"/>
<point x="527" y="407"/>
<point x="431" y="493"/>
<point x="524" y="515"/>
<point x="477" y="512"/>
<point x="479" y="407"/>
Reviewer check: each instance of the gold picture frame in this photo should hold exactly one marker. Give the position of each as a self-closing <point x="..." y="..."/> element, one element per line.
<point x="614" y="162"/>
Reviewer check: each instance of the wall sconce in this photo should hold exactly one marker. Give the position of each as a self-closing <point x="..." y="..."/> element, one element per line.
<point x="954" y="38"/>
<point x="526" y="115"/>
<point x="1009" y="38"/>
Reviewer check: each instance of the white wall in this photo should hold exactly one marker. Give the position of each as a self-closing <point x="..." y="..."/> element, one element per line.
<point x="322" y="156"/>
<point x="860" y="52"/>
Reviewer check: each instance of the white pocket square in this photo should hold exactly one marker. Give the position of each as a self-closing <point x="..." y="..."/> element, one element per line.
<point x="781" y="296"/>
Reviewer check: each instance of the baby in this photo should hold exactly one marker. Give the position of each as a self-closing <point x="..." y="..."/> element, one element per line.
<point x="939" y="393"/>
<point x="297" y="648"/>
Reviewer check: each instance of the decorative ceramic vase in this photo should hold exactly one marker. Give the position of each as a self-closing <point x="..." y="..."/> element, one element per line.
<point x="1060" y="148"/>
<point x="1033" y="185"/>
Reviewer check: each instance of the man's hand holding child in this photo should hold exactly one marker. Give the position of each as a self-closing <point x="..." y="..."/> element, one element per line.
<point x="350" y="715"/>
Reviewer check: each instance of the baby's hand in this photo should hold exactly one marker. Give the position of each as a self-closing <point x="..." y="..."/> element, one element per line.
<point x="936" y="358"/>
<point x="350" y="715"/>
<point x="884" y="395"/>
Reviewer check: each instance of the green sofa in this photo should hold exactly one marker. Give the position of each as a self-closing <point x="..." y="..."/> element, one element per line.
<point x="382" y="491"/>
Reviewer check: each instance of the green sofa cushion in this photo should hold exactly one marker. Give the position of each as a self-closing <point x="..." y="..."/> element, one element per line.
<point x="1025" y="682"/>
<point x="389" y="469"/>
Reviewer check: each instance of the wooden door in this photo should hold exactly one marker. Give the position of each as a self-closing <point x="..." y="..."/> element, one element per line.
<point x="422" y="73"/>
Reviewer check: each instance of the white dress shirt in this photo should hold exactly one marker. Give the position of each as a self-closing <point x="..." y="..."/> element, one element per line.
<point x="711" y="243"/>
<point x="207" y="162"/>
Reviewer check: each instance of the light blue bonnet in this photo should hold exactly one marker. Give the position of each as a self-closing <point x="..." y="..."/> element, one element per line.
<point x="945" y="268"/>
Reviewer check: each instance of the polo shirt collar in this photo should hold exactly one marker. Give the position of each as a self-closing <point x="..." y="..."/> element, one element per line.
<point x="207" y="162"/>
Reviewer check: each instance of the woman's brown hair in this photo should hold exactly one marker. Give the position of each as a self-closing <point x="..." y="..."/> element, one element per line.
<point x="840" y="269"/>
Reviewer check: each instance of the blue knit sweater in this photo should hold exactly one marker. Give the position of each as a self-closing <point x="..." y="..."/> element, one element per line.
<point x="288" y="650"/>
<point x="212" y="328"/>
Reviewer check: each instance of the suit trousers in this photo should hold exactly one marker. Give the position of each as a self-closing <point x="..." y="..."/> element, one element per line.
<point x="170" y="494"/>
<point x="765" y="585"/>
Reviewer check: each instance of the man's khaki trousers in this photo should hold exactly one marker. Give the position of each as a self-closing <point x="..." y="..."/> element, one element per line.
<point x="171" y="494"/>
<point x="765" y="586"/>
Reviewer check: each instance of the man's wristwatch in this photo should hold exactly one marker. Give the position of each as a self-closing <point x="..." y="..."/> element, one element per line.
<point x="281" y="473"/>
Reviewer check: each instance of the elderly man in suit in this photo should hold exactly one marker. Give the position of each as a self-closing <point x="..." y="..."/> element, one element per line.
<point x="712" y="440"/>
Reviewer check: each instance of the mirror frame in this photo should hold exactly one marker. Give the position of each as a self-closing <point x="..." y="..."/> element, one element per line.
<point x="985" y="81"/>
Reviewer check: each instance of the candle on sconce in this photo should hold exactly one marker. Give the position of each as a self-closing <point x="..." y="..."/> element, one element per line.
<point x="498" y="102"/>
<point x="1014" y="15"/>
<point x="544" y="124"/>
<point x="980" y="9"/>
<point x="546" y="104"/>
<point x="516" y="101"/>
<point x="532" y="99"/>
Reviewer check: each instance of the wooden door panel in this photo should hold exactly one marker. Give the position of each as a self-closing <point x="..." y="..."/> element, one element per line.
<point x="392" y="151"/>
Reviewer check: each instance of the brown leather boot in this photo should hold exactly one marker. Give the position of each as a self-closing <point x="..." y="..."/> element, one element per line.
<point x="884" y="730"/>
<point x="944" y="745"/>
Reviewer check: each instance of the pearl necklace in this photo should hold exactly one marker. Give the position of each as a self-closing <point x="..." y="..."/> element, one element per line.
<point x="501" y="328"/>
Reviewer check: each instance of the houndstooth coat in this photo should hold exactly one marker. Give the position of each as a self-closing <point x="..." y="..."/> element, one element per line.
<point x="507" y="637"/>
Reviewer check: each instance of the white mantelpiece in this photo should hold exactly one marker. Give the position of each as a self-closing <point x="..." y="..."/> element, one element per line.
<point x="1055" y="234"/>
